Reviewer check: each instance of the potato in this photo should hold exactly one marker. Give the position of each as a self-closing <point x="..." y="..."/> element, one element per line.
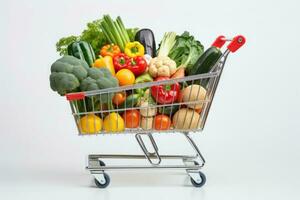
<point x="194" y="93"/>
<point x="186" y="118"/>
<point x="147" y="123"/>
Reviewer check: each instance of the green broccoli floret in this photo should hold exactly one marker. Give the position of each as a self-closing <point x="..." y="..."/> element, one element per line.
<point x="67" y="73"/>
<point x="70" y="74"/>
<point x="99" y="79"/>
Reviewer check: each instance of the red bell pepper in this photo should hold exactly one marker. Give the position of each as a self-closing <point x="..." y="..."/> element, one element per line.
<point x="120" y="61"/>
<point x="137" y="65"/>
<point x="165" y="94"/>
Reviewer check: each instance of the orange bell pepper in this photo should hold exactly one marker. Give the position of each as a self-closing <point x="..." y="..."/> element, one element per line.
<point x="110" y="50"/>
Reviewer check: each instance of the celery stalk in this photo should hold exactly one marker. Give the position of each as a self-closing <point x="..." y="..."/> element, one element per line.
<point x="126" y="37"/>
<point x="106" y="29"/>
<point x="114" y="31"/>
<point x="121" y="36"/>
<point x="123" y="29"/>
<point x="105" y="33"/>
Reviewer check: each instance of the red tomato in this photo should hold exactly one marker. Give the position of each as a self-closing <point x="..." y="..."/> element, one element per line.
<point x="162" y="122"/>
<point x="131" y="118"/>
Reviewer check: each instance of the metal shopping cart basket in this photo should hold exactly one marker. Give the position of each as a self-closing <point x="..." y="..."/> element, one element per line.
<point x="89" y="105"/>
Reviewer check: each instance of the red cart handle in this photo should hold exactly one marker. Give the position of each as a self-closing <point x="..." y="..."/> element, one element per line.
<point x="233" y="46"/>
<point x="75" y="96"/>
<point x="236" y="43"/>
<point x="219" y="42"/>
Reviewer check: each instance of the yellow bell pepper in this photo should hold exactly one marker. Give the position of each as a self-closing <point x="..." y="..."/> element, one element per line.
<point x="113" y="123"/>
<point x="133" y="49"/>
<point x="90" y="124"/>
<point x="107" y="62"/>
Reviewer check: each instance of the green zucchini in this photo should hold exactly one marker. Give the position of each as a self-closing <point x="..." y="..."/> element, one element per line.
<point x="206" y="61"/>
<point x="168" y="110"/>
<point x="82" y="50"/>
<point x="130" y="101"/>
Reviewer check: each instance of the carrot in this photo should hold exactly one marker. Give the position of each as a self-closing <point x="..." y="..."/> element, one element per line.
<point x="179" y="73"/>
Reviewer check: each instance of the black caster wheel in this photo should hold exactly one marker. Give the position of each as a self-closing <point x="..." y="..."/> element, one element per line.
<point x="103" y="185"/>
<point x="101" y="163"/>
<point x="200" y="184"/>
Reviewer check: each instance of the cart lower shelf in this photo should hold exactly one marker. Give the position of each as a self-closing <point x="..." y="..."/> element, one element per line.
<point x="192" y="164"/>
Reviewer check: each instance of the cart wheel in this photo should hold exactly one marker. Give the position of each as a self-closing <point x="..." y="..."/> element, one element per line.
<point x="101" y="163"/>
<point x="103" y="185"/>
<point x="201" y="183"/>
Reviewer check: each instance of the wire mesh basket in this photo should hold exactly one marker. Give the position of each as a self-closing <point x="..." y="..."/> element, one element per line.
<point x="165" y="105"/>
<point x="187" y="113"/>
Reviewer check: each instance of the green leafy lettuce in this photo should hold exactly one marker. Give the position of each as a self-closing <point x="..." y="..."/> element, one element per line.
<point x="186" y="50"/>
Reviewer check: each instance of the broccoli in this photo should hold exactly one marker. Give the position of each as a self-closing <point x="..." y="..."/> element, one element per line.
<point x="99" y="78"/>
<point x="66" y="74"/>
<point x="70" y="74"/>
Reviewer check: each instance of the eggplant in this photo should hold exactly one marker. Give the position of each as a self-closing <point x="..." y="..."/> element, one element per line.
<point x="146" y="38"/>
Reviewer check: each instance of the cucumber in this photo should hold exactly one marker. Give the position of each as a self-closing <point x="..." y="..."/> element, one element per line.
<point x="83" y="51"/>
<point x="206" y="61"/>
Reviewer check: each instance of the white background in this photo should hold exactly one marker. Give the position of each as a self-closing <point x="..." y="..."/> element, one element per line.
<point x="251" y="139"/>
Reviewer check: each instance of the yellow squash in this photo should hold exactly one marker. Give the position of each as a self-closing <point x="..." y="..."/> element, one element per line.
<point x="90" y="124"/>
<point x="113" y="123"/>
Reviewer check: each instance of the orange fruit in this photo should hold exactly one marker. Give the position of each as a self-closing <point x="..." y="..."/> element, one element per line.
<point x="125" y="77"/>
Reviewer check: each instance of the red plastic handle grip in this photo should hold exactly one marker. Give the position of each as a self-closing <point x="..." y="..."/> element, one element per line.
<point x="75" y="96"/>
<point x="219" y="42"/>
<point x="236" y="43"/>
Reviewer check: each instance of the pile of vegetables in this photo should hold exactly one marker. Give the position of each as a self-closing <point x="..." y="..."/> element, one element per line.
<point x="108" y="55"/>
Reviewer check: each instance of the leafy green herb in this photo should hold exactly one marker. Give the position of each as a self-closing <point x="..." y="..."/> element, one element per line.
<point x="92" y="34"/>
<point x="98" y="33"/>
<point x="63" y="43"/>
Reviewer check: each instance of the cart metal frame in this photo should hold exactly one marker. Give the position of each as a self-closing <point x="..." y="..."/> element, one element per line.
<point x="192" y="164"/>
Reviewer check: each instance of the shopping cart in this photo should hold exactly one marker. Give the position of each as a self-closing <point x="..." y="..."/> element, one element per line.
<point x="91" y="105"/>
